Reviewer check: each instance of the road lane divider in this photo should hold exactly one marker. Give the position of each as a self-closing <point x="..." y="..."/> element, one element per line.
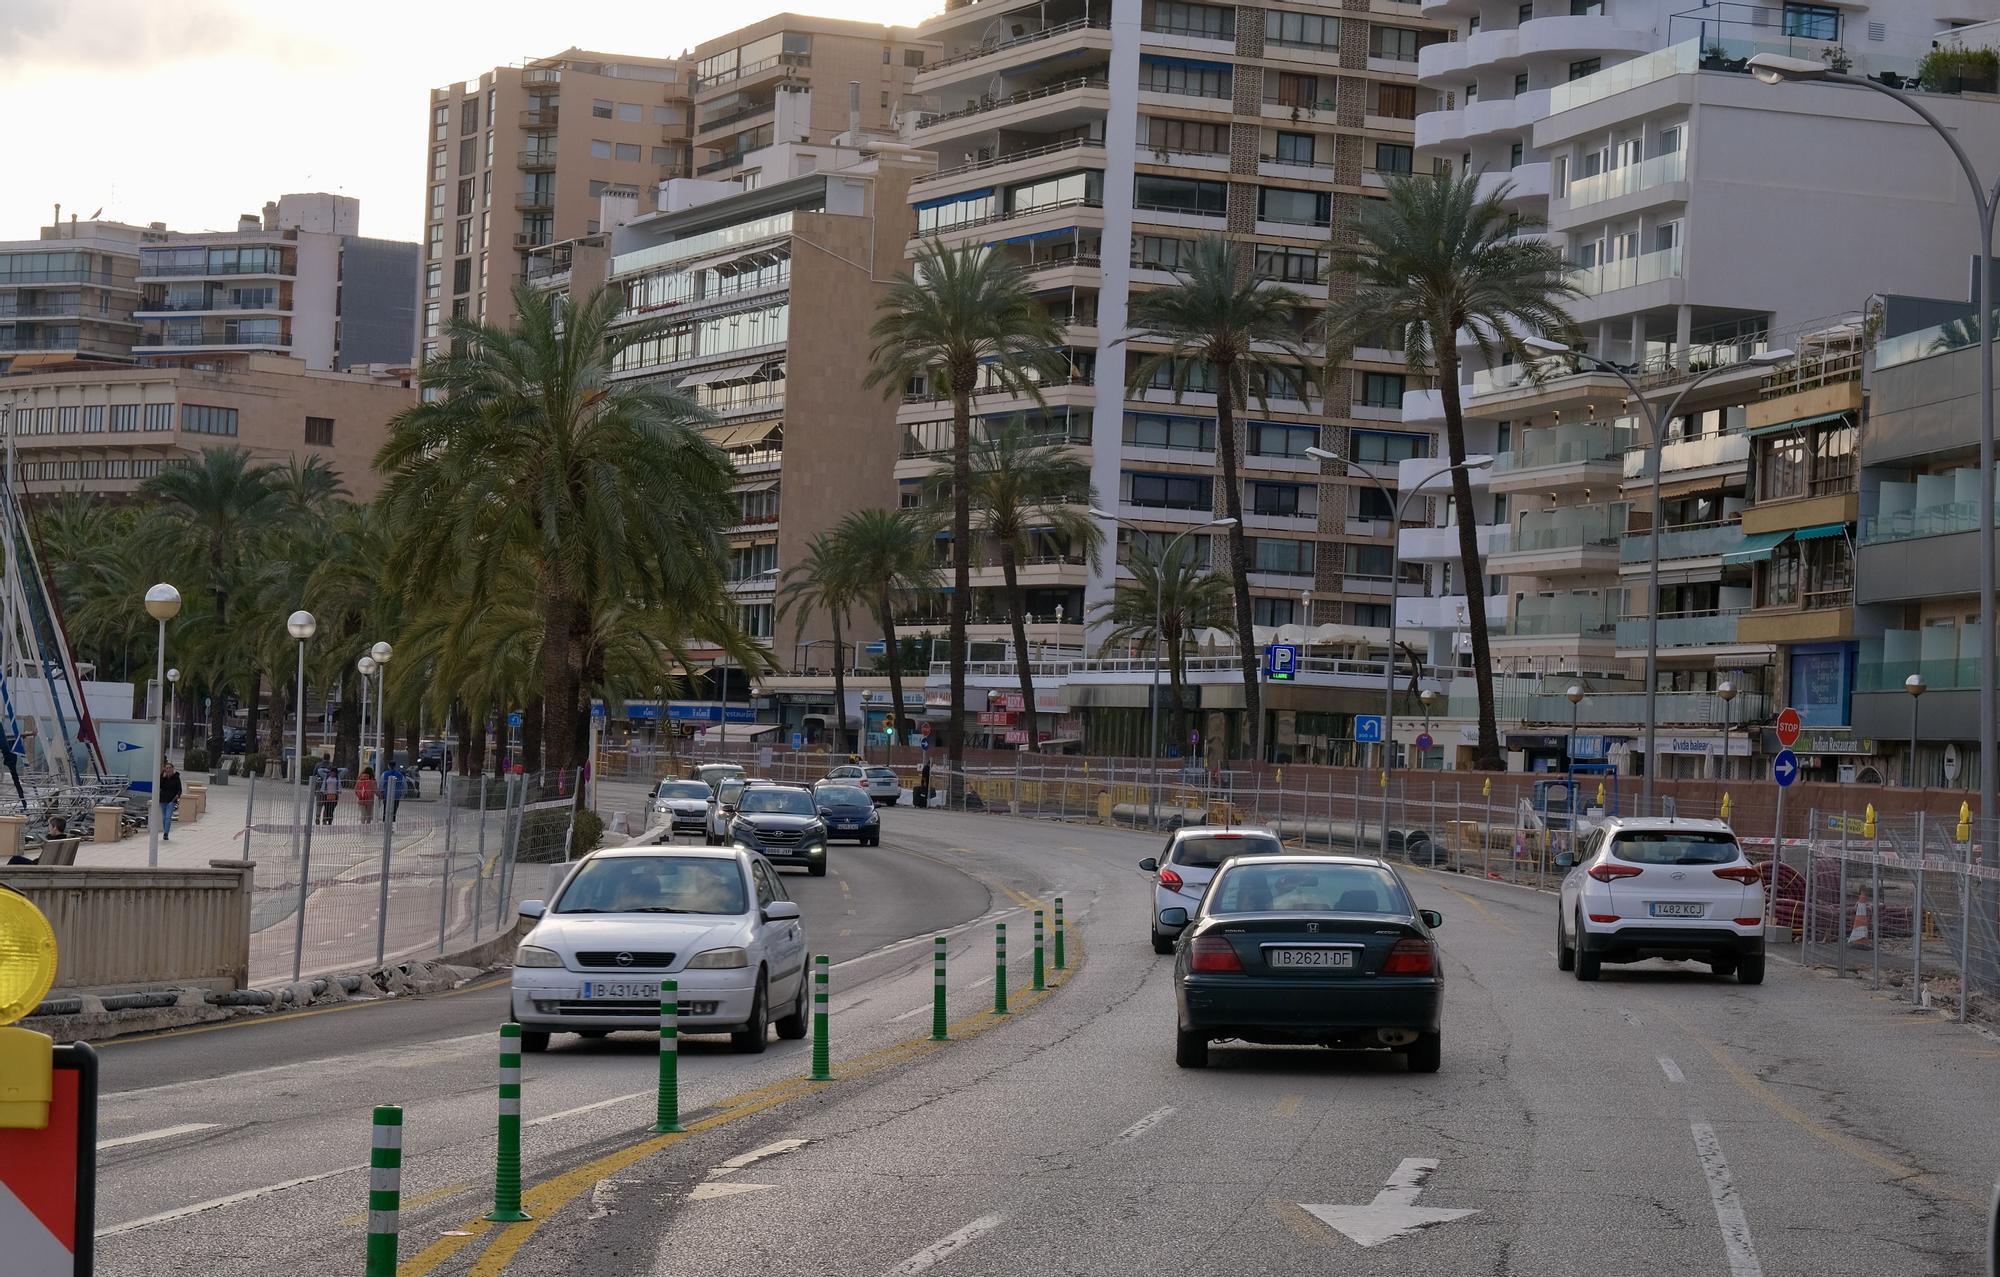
<point x="940" y="1031"/>
<point x="507" y="1157"/>
<point x="667" y="1110"/>
<point x="385" y="1190"/>
<point x="1144" y="1124"/>
<point x="822" y="1062"/>
<point x="1672" y="1070"/>
<point x="1729" y="1216"/>
<point x="147" y="1137"/>
<point x="1038" y="951"/>
<point x="1059" y="933"/>
<point x="945" y="1247"/>
<point x="1000" y="968"/>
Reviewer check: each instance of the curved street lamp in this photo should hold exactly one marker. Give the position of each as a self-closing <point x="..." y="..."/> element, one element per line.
<point x="163" y="604"/>
<point x="1916" y="687"/>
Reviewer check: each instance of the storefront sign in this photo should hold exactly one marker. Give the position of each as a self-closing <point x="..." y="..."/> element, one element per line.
<point x="1820" y="740"/>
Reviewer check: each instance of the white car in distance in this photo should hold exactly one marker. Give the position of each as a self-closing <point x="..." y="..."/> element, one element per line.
<point x="1662" y="888"/>
<point x="683" y="806"/>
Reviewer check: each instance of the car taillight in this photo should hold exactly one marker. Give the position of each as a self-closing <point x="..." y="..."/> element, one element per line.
<point x="1213" y="953"/>
<point x="1170" y="880"/>
<point x="1748" y="875"/>
<point x="1748" y="922"/>
<point x="1606" y="873"/>
<point x="1410" y="956"/>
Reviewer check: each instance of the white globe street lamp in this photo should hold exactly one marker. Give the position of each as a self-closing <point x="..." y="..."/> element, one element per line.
<point x="163" y="604"/>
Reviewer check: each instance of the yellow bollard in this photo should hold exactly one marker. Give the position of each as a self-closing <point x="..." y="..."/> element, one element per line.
<point x="1868" y="822"/>
<point x="1965" y="822"/>
<point x="1385" y="779"/>
<point x="1600" y="795"/>
<point x="1486" y="791"/>
<point x="1725" y="806"/>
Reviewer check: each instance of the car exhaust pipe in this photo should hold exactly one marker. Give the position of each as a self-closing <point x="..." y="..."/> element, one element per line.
<point x="1396" y="1037"/>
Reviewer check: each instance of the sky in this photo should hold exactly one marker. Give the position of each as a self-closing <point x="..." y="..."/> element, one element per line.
<point x="190" y="112"/>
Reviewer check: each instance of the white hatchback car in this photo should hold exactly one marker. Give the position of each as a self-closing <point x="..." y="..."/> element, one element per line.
<point x="1183" y="871"/>
<point x="1677" y="889"/>
<point x="683" y="806"/>
<point x="716" y="920"/>
<point x="880" y="783"/>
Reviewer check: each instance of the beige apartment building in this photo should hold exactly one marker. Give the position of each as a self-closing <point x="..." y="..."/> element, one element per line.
<point x="109" y="429"/>
<point x="792" y="78"/>
<point x="520" y="158"/>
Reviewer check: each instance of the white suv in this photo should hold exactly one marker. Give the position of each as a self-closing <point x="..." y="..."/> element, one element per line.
<point x="881" y="784"/>
<point x="1183" y="871"/>
<point x="1662" y="889"/>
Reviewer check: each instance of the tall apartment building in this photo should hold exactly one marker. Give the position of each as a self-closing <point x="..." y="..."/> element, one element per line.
<point x="519" y="159"/>
<point x="768" y="295"/>
<point x="1092" y="140"/>
<point x="1709" y="217"/>
<point x="792" y="78"/>
<point x="298" y="279"/>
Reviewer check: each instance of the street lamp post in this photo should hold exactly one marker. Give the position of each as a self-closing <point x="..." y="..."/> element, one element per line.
<point x="1395" y="592"/>
<point x="1159" y="642"/>
<point x="1575" y="694"/>
<point x="1916" y="687"/>
<point x="1656" y="424"/>
<point x="1428" y="697"/>
<point x="367" y="667"/>
<point x="302" y="625"/>
<point x="381" y="652"/>
<point x="1772" y="68"/>
<point x="1727" y="691"/>
<point x="163" y="603"/>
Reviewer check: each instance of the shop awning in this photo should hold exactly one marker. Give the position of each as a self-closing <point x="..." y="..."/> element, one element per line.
<point x="1757" y="547"/>
<point x="1821" y="532"/>
<point x="762" y="485"/>
<point x="1799" y="424"/>
<point x="726" y="373"/>
<point x="745" y="435"/>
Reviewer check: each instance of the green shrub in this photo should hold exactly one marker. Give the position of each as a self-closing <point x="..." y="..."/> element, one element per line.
<point x="253" y="764"/>
<point x="1951" y="70"/>
<point x="195" y="760"/>
<point x="587" y="834"/>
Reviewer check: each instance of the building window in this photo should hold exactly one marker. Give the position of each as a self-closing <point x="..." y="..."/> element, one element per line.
<point x="631" y="113"/>
<point x="959" y="210"/>
<point x="1171" y="491"/>
<point x="1294" y="148"/>
<point x="160" y="416"/>
<point x="1297" y="91"/>
<point x="464" y="240"/>
<point x="1301" y="30"/>
<point x="1781" y="467"/>
<point x="1833" y="460"/>
<point x="1372" y="504"/>
<point x="1586" y="8"/>
<point x="431" y="312"/>
<point x="600" y="148"/>
<point x="1205" y="21"/>
<point x="1179" y="195"/>
<point x="66" y="420"/>
<point x="468" y="156"/>
<point x="627" y="152"/>
<point x="201" y="419"/>
<point x="1520" y="83"/>
<point x="1273" y="612"/>
<point x="1393" y="157"/>
<point x="1281" y="500"/>
<point x="1189" y="79"/>
<point x="1396" y="101"/>
<point x="1397" y="44"/>
<point x="124" y="418"/>
<point x="461" y="276"/>
<point x="1781" y="577"/>
<point x="467" y="191"/>
<point x="1292" y="265"/>
<point x="913" y="57"/>
<point x="1382" y="389"/>
<point x="1380" y="447"/>
<point x="601" y="109"/>
<point x="1587" y="66"/>
<point x="468" y="115"/>
<point x="437" y="164"/>
<point x="1185" y="137"/>
<point x="1514" y="156"/>
<point x="93" y="419"/>
<point x="435" y="245"/>
<point x="1291" y="558"/>
<point x="1151" y="430"/>
<point x="1367" y="562"/>
<point x="1526" y="13"/>
<point x="1270" y="439"/>
<point x="433" y="279"/>
<point x="1297" y="208"/>
<point x="1812" y="21"/>
<point x="319" y="432"/>
<point x="1055" y="192"/>
<point x="440" y="123"/>
<point x="1161" y="252"/>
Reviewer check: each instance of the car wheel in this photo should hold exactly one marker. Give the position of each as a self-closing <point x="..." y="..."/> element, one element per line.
<point x="1426" y="1054"/>
<point x="1750" y="970"/>
<point x="1565" y="954"/>
<point x="875" y="840"/>
<point x="1190" y="1049"/>
<point x="753" y="1037"/>
<point x="1723" y="966"/>
<point x="1588" y="964"/>
<point x="817" y="870"/>
<point x="793" y="1027"/>
<point x="1162" y="944"/>
<point x="534" y="1041"/>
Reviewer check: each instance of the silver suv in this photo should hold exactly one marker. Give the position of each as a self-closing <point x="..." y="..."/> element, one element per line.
<point x="1183" y="871"/>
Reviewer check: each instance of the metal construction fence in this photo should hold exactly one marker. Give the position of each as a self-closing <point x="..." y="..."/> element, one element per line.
<point x="346" y="885"/>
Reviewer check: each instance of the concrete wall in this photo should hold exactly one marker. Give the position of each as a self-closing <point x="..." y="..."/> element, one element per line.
<point x="124" y="929"/>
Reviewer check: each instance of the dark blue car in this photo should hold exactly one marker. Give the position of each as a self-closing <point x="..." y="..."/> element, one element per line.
<point x="849" y="813"/>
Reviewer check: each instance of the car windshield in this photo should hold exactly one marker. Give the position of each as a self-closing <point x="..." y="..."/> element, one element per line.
<point x="688" y="789"/>
<point x="882" y="773"/>
<point x="729" y="791"/>
<point x="1297" y="888"/>
<point x="784" y="802"/>
<point x="843" y="796"/>
<point x="1208" y="851"/>
<point x="1674" y="847"/>
<point x="655" y="884"/>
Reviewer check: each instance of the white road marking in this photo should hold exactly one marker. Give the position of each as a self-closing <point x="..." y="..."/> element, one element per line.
<point x="1672" y="1070"/>
<point x="945" y="1247"/>
<point x="586" y="1108"/>
<point x="1728" y="1206"/>
<point x="928" y="936"/>
<point x="1145" y="1123"/>
<point x="756" y="1155"/>
<point x="1394" y="1212"/>
<point x="217" y="1203"/>
<point x="164" y="1133"/>
<point x="907" y="1015"/>
<point x="712" y="1190"/>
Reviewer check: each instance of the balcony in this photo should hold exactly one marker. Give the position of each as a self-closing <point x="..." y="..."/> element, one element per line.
<point x="986" y="105"/>
<point x="1824" y="614"/>
<point x="1628" y="272"/>
<point x="1697" y="541"/>
<point x="1440" y="545"/>
<point x="1586" y="455"/>
<point x="545" y="118"/>
<point x="928" y="81"/>
<point x="737" y="116"/>
<point x="1607" y="709"/>
<point x="1630" y="179"/>
<point x="1012" y="157"/>
<point x="535" y="201"/>
<point x="224" y="336"/>
<point x="1523" y="182"/>
<point x="1693" y="629"/>
<point x="1948" y="659"/>
<point x="1581" y="540"/>
<point x="1574" y="616"/>
<point x="537" y="161"/>
<point x="1572" y="37"/>
<point x="1684" y="458"/>
<point x="1447" y="612"/>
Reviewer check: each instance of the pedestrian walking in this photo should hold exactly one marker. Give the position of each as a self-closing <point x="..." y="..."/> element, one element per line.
<point x="393" y="785"/>
<point x="364" y="794"/>
<point x="170" y="794"/>
<point x="922" y="797"/>
<point x="329" y="794"/>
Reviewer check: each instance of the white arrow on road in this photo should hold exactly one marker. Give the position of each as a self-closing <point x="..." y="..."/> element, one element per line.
<point x="1394" y="1212"/>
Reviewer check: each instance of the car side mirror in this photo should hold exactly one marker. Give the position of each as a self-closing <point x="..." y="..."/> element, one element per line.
<point x="1173" y="917"/>
<point x="1565" y="860"/>
<point x="1150" y="865"/>
<point x="781" y="911"/>
<point x="728" y="809"/>
<point x="534" y="908"/>
<point x="1432" y="918"/>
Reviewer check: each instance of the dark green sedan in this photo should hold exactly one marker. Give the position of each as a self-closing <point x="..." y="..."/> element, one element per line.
<point x="1326" y="950"/>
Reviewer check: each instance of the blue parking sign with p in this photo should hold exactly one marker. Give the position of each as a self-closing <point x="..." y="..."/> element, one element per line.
<point x="1281" y="661"/>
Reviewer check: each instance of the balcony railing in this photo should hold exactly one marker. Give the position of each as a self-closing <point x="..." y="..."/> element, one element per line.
<point x="1682" y="709"/>
<point x="1628" y="272"/>
<point x="1925" y="521"/>
<point x="150" y="270"/>
<point x="737" y="116"/>
<point x="62" y="310"/>
<point x="1010" y="157"/>
<point x="1925" y="342"/>
<point x="1567" y="530"/>
<point x="1628" y="179"/>
<point x="1693" y="541"/>
<point x="546" y="118"/>
<point x="986" y="104"/>
<point x="18" y="278"/>
<point x="1608" y="444"/>
<point x="1948" y="659"/>
<point x="214" y="337"/>
<point x="538" y="159"/>
<point x="1692" y="454"/>
<point x="1032" y="37"/>
<point x="1582" y="616"/>
<point x="535" y="201"/>
<point x="1684" y="629"/>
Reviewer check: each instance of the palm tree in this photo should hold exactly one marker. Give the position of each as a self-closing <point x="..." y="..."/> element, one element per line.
<point x="887" y="555"/>
<point x="1430" y="262"/>
<point x="223" y="503"/>
<point x="534" y="469"/>
<point x="1164" y="604"/>
<point x="1032" y="493"/>
<point x="818" y="583"/>
<point x="964" y="320"/>
<point x="1218" y="321"/>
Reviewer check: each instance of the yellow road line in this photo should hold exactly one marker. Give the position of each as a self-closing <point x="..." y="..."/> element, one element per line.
<point x="360" y="1218"/>
<point x="550" y="1196"/>
<point x="1474" y="901"/>
<point x="282" y="1017"/>
<point x="1845" y="1143"/>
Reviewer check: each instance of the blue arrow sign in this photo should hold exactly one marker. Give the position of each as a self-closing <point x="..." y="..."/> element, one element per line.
<point x="514" y="719"/>
<point x="1368" y="729"/>
<point x="1785" y="768"/>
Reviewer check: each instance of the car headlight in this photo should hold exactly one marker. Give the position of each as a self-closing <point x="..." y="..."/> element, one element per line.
<point x="719" y="959"/>
<point x="531" y="955"/>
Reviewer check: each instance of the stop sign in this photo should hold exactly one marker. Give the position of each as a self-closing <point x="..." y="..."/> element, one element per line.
<point x="1788" y="728"/>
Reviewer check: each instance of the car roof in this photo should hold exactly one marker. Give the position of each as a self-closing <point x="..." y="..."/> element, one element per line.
<point x="665" y="849"/>
<point x="1215" y="831"/>
<point x="1665" y="824"/>
<point x="1311" y="858"/>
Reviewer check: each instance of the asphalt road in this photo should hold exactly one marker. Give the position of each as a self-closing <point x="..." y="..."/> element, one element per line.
<point x="1659" y="1121"/>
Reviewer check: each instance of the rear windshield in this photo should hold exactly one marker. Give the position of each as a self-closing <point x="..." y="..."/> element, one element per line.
<point x="1296" y="888"/>
<point x="1674" y="847"/>
<point x="677" y="789"/>
<point x="1208" y="852"/>
<point x="844" y="796"/>
<point x="881" y="773"/>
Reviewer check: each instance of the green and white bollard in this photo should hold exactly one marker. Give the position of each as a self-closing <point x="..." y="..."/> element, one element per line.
<point x="822" y="1058"/>
<point x="1039" y="986"/>
<point x="938" y="1016"/>
<point x="667" y="1119"/>
<point x="385" y="1190"/>
<point x="507" y="1168"/>
<point x="999" y="968"/>
<point x="1059" y="934"/>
